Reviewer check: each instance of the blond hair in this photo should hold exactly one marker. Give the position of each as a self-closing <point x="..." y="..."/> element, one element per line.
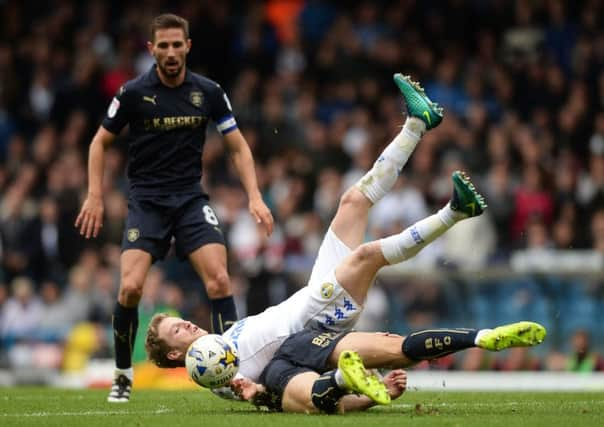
<point x="157" y="348"/>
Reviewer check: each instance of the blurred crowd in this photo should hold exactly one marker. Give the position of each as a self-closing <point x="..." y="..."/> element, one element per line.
<point x="310" y="82"/>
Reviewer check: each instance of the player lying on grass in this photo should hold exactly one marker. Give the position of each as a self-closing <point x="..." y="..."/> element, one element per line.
<point x="320" y="370"/>
<point x="345" y="267"/>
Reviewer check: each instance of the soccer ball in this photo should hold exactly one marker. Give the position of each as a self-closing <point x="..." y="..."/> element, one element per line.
<point x="212" y="361"/>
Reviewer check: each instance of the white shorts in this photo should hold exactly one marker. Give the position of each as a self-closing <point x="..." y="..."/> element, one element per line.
<point x="324" y="301"/>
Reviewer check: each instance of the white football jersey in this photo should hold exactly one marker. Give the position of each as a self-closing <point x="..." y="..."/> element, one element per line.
<point x="258" y="337"/>
<point x="323" y="302"/>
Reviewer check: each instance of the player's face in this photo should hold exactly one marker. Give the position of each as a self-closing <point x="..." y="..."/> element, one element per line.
<point x="170" y="50"/>
<point x="178" y="334"/>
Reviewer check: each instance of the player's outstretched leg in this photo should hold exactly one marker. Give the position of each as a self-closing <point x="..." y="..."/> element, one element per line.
<point x="350" y="221"/>
<point x="465" y="202"/>
<point x="422" y="114"/>
<point x="358" y="380"/>
<point x="356" y="272"/>
<point x="395" y="351"/>
<point x="520" y="334"/>
<point x="435" y="343"/>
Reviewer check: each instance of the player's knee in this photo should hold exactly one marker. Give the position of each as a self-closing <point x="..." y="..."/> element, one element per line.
<point x="219" y="285"/>
<point x="363" y="253"/>
<point x="353" y="197"/>
<point x="131" y="291"/>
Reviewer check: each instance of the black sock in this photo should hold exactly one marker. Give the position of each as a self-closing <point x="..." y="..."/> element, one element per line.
<point x="433" y="343"/>
<point x="325" y="392"/>
<point x="222" y="314"/>
<point x="125" y="325"/>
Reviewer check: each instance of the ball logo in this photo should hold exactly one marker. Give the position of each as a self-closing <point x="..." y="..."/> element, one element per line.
<point x="196" y="98"/>
<point x="228" y="357"/>
<point x="133" y="234"/>
<point x="327" y="290"/>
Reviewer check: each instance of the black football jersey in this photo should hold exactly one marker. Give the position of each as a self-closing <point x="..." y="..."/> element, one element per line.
<point x="167" y="130"/>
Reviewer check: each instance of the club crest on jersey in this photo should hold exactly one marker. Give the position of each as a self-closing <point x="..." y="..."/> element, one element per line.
<point x="196" y="98"/>
<point x="133" y="234"/>
<point x="327" y="290"/>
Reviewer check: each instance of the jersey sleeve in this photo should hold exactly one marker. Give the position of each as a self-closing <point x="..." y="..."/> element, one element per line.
<point x="118" y="112"/>
<point x="222" y="112"/>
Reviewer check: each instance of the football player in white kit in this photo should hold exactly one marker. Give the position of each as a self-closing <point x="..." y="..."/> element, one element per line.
<point x="344" y="268"/>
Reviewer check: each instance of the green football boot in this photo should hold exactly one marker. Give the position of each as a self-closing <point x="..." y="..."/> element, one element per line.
<point x="359" y="381"/>
<point x="521" y="334"/>
<point x="418" y="103"/>
<point x="465" y="197"/>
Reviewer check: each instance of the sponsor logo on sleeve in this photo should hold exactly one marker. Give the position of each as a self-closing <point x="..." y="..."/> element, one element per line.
<point x="113" y="107"/>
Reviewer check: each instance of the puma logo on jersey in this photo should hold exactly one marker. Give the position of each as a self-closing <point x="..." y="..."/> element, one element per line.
<point x="151" y="99"/>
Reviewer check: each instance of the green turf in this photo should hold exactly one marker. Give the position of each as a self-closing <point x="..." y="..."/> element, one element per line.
<point x="52" y="407"/>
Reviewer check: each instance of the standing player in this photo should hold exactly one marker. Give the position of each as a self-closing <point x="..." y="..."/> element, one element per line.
<point x="344" y="268"/>
<point x="168" y="109"/>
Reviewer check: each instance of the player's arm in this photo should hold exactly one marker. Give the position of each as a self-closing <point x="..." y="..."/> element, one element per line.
<point x="244" y="163"/>
<point x="250" y="391"/>
<point x="90" y="218"/>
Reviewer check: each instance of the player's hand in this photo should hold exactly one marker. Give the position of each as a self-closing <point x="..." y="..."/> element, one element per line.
<point x="90" y="218"/>
<point x="246" y="389"/>
<point x="262" y="214"/>
<point x="396" y="382"/>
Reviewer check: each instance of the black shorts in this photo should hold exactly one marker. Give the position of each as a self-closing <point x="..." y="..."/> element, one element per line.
<point x="153" y="221"/>
<point x="304" y="351"/>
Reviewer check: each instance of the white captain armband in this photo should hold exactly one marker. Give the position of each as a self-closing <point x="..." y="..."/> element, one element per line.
<point x="226" y="124"/>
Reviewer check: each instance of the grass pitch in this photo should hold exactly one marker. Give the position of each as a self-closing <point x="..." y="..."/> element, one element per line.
<point x="53" y="407"/>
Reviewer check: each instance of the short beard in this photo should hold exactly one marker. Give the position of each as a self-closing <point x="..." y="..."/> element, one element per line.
<point x="166" y="73"/>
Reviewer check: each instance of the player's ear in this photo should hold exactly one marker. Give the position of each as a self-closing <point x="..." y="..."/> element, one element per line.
<point x="174" y="355"/>
<point x="188" y="45"/>
<point x="150" y="47"/>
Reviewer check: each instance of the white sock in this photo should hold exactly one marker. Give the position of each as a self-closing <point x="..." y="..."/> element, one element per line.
<point x="385" y="171"/>
<point x="407" y="244"/>
<point x="479" y="334"/>
<point x="449" y="216"/>
<point x="340" y="380"/>
<point x="129" y="373"/>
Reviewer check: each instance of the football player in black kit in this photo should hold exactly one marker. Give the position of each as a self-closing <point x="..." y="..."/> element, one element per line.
<point x="168" y="109"/>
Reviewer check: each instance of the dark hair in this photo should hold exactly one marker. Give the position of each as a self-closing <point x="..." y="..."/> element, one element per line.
<point x="169" y="20"/>
<point x="157" y="349"/>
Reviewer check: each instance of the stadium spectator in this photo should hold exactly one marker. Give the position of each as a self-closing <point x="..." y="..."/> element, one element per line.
<point x="21" y="313"/>
<point x="54" y="322"/>
<point x="583" y="358"/>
